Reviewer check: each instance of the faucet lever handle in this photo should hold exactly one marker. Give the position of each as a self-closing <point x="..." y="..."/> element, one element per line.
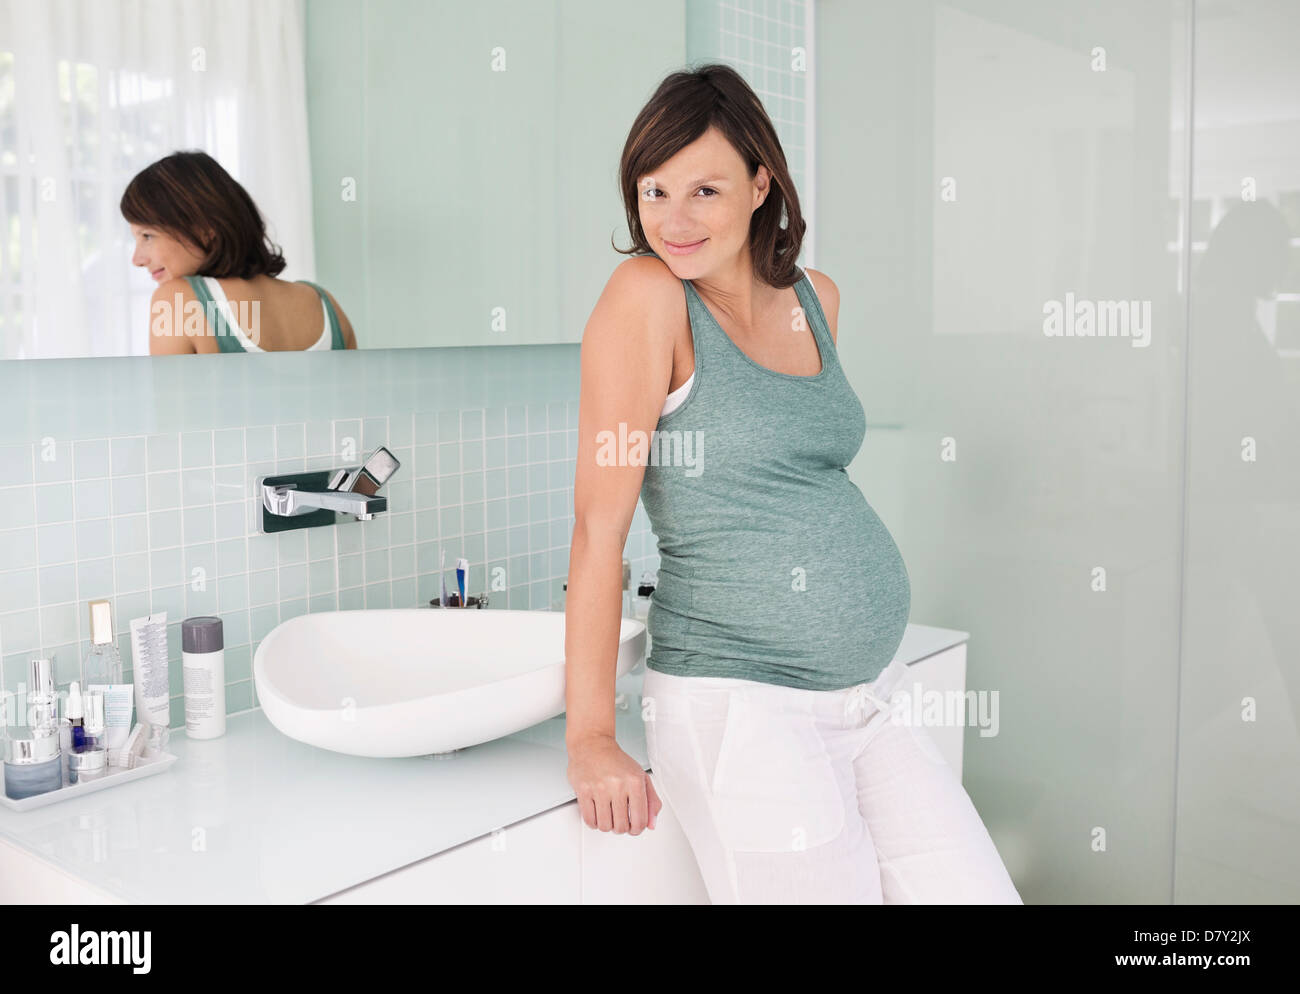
<point x="378" y="468"/>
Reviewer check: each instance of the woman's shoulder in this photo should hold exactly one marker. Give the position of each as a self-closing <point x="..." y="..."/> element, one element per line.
<point x="641" y="294"/>
<point x="828" y="295"/>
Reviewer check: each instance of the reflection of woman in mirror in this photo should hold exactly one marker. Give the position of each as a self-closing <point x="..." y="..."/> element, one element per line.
<point x="200" y="236"/>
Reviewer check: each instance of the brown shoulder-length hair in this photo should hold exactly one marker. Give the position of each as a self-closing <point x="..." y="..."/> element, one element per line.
<point x="686" y="105"/>
<point x="187" y="194"/>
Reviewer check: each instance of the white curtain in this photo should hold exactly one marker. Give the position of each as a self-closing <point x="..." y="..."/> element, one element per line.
<point x="91" y="92"/>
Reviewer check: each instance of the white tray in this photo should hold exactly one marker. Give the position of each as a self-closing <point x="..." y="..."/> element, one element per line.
<point x="143" y="768"/>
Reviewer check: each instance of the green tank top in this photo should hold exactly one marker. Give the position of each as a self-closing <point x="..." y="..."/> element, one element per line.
<point x="773" y="566"/>
<point x="229" y="340"/>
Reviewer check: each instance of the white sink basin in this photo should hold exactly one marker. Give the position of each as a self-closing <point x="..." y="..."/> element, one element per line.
<point x="415" y="681"/>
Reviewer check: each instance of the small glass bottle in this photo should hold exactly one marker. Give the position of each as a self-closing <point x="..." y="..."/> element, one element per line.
<point x="103" y="663"/>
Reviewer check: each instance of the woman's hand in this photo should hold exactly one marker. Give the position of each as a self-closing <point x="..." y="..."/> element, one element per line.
<point x="614" y="793"/>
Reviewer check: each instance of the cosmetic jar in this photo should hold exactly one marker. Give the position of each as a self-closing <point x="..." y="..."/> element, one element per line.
<point x="85" y="764"/>
<point x="33" y="764"/>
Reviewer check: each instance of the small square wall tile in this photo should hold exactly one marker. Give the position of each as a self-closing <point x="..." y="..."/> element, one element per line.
<point x="196" y="449"/>
<point x="232" y="593"/>
<point x="197" y="486"/>
<point x="556" y="419"/>
<point x="349" y="538"/>
<point x="131" y="572"/>
<point x="229" y="483"/>
<point x="56" y="584"/>
<point x="91" y="459"/>
<point x="425" y="458"/>
<point x="166" y="567"/>
<point x="130" y="533"/>
<point x="537" y="448"/>
<point x="164" y="490"/>
<point x="494" y="422"/>
<point x="292" y="547"/>
<point x="16" y="465"/>
<point x="259" y="443"/>
<point x="347" y="440"/>
<point x="350" y="571"/>
<point x="290" y="442"/>
<point x="198" y="524"/>
<point x="471" y="424"/>
<point x="130" y="495"/>
<point x="263" y="551"/>
<point x="263" y="587"/>
<point x="404" y="592"/>
<point x="164" y="453"/>
<point x="471" y="455"/>
<point x="94" y="539"/>
<point x="320" y="543"/>
<point x="129" y="456"/>
<point x="53" y="461"/>
<point x="228" y="520"/>
<point x="92" y="498"/>
<point x="164" y="529"/>
<point x="59" y="626"/>
<point x="374" y="433"/>
<point x="171" y="600"/>
<point x="449" y="426"/>
<point x="379" y="595"/>
<point x="323" y="602"/>
<point x="228" y="447"/>
<point x="322" y="577"/>
<point x="231" y="557"/>
<point x="54" y="502"/>
<point x="401" y="430"/>
<point x="401" y="529"/>
<point x="320" y="438"/>
<point x="449" y="490"/>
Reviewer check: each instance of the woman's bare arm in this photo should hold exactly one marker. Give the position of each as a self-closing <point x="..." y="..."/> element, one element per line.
<point x="627" y="358"/>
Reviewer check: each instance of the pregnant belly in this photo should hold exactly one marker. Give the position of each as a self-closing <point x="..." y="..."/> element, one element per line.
<point x="829" y="594"/>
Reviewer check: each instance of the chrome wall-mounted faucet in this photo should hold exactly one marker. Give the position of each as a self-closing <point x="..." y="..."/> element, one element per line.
<point x="311" y="499"/>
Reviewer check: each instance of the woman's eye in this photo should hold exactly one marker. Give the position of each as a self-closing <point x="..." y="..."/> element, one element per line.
<point x="650" y="193"/>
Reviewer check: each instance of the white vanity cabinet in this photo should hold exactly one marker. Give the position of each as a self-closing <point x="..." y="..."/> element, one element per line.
<point x="553" y="858"/>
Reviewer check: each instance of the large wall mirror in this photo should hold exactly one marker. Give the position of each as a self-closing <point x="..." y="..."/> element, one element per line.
<point x="446" y="171"/>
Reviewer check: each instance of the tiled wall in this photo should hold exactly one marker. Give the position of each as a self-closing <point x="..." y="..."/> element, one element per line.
<point x="160" y="520"/>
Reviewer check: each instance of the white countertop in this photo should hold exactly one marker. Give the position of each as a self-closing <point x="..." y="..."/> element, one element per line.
<point x="256" y="817"/>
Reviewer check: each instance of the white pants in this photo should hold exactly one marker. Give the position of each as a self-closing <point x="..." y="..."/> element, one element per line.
<point x="792" y="796"/>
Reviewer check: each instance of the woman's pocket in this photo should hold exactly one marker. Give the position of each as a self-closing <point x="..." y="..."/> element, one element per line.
<point x="774" y="788"/>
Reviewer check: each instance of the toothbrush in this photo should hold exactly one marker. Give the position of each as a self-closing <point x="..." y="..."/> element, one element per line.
<point x="442" y="574"/>
<point x="462" y="572"/>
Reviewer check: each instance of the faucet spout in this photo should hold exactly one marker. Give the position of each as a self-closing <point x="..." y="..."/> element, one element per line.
<point x="287" y="499"/>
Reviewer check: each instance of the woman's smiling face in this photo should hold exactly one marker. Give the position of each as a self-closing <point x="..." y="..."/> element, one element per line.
<point x="164" y="256"/>
<point x="695" y="208"/>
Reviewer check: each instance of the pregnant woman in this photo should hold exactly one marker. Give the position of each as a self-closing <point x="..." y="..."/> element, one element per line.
<point x="201" y="237"/>
<point x="782" y="598"/>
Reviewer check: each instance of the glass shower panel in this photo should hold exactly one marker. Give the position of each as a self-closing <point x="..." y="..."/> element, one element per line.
<point x="1238" y="798"/>
<point x="999" y="188"/>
